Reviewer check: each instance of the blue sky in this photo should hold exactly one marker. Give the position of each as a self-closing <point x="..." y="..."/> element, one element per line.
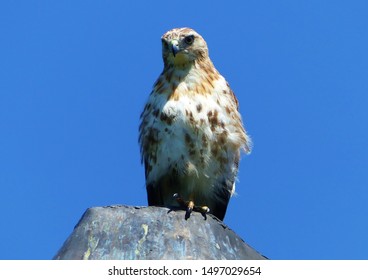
<point x="74" y="78"/>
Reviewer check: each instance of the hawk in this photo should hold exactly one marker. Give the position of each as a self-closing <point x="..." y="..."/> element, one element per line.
<point x="191" y="133"/>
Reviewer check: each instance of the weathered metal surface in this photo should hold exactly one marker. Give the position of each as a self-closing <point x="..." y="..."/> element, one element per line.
<point x="146" y="233"/>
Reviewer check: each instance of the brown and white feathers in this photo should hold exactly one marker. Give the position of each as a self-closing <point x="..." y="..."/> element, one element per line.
<point x="191" y="133"/>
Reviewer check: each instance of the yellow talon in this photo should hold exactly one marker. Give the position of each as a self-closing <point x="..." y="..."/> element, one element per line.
<point x="190" y="206"/>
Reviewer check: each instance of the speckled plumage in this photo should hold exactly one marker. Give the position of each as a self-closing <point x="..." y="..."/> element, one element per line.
<point x="191" y="132"/>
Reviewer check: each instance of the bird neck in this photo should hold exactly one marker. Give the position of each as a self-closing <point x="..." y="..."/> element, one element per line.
<point x="199" y="67"/>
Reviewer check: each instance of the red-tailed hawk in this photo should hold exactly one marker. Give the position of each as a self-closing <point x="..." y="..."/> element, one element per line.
<point x="191" y="133"/>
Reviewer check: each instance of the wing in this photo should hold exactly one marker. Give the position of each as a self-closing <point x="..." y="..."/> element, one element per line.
<point x="159" y="189"/>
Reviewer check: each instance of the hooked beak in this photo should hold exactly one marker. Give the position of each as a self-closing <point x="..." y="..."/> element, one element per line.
<point x="174" y="45"/>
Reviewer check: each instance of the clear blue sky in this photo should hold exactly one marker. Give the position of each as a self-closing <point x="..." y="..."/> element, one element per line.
<point x="74" y="77"/>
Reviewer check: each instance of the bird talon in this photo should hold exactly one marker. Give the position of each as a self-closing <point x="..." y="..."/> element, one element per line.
<point x="189" y="206"/>
<point x="205" y="210"/>
<point x="202" y="209"/>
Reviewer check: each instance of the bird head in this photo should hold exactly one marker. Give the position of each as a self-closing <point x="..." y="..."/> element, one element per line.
<point x="182" y="47"/>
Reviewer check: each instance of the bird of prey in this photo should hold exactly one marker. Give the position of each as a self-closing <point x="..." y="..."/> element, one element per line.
<point x="191" y="133"/>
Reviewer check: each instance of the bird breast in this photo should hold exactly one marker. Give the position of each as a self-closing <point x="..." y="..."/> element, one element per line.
<point x="199" y="132"/>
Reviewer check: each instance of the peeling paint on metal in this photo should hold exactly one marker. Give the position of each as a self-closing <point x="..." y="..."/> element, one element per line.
<point x="92" y="244"/>
<point x="141" y="241"/>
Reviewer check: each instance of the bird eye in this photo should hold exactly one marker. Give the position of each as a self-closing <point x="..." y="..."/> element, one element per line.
<point x="189" y="39"/>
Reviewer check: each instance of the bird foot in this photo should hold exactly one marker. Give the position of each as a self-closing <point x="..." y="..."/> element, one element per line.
<point x="189" y="206"/>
